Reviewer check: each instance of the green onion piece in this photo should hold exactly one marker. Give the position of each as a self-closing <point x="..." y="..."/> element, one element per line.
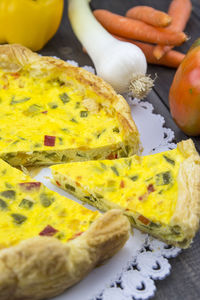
<point x="14" y="101"/>
<point x="25" y="203"/>
<point x="70" y="187"/>
<point x="10" y="194"/>
<point x="3" y="205"/>
<point x="46" y="200"/>
<point x="169" y="160"/>
<point x="134" y="178"/>
<point x="163" y="178"/>
<point x="18" y="218"/>
<point x="64" y="98"/>
<point x="114" y="169"/>
<point x="83" y="114"/>
<point x="116" y="129"/>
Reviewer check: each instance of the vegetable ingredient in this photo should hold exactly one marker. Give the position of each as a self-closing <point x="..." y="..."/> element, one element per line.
<point x="180" y="11"/>
<point x="184" y="96"/>
<point x="18" y="218"/>
<point x="30" y="186"/>
<point x="149" y="15"/>
<point x="48" y="231"/>
<point x="29" y="23"/>
<point x="170" y="59"/>
<point x="138" y="30"/>
<point x="122" y="65"/>
<point x="49" y="140"/>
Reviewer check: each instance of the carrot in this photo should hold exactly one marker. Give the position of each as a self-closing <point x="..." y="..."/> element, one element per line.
<point x="137" y="30"/>
<point x="149" y="15"/>
<point x="180" y="11"/>
<point x="170" y="59"/>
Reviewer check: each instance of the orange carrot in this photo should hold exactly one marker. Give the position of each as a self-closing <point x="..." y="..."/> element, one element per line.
<point x="137" y="30"/>
<point x="180" y="11"/>
<point x="170" y="59"/>
<point x="149" y="15"/>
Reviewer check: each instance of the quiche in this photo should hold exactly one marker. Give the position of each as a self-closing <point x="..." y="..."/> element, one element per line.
<point x="49" y="242"/>
<point x="52" y="112"/>
<point x="160" y="193"/>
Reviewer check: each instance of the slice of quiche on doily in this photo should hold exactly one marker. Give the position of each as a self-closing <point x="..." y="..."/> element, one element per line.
<point x="160" y="193"/>
<point x="49" y="242"/>
<point x="53" y="112"/>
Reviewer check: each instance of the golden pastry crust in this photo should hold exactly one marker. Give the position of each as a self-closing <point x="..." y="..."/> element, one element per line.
<point x="15" y="57"/>
<point x="43" y="267"/>
<point x="187" y="210"/>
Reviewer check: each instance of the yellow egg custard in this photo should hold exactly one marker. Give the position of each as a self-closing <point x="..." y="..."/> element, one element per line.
<point x="52" y="112"/>
<point x="28" y="209"/>
<point x="160" y="193"/>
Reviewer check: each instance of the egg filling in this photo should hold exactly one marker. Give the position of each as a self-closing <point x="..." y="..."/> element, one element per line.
<point x="29" y="209"/>
<point x="144" y="187"/>
<point x="48" y="117"/>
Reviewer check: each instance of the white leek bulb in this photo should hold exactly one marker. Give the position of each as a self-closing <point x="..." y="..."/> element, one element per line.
<point x="123" y="65"/>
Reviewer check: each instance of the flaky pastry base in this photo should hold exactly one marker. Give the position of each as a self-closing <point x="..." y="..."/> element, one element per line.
<point x="43" y="267"/>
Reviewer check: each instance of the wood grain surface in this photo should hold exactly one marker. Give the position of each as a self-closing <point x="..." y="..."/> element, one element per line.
<point x="183" y="282"/>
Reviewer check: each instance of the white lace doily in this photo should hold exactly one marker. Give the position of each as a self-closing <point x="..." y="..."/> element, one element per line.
<point x="130" y="274"/>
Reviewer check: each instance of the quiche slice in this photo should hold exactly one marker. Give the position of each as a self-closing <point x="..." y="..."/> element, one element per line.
<point x="160" y="193"/>
<point x="53" y="112"/>
<point x="49" y="242"/>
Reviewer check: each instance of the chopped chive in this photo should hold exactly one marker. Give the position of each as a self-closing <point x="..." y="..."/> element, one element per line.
<point x="60" y="140"/>
<point x="8" y="185"/>
<point x="21" y="138"/>
<point x="169" y="160"/>
<point x="99" y="134"/>
<point x="14" y="101"/>
<point x="15" y="142"/>
<point x="3" y="205"/>
<point x="9" y="194"/>
<point x="18" y="218"/>
<point x="163" y="178"/>
<point x="134" y="178"/>
<point x="83" y="114"/>
<point x="25" y="203"/>
<point x="52" y="105"/>
<point x="46" y="200"/>
<point x="64" y="98"/>
<point x="116" y="129"/>
<point x="65" y="129"/>
<point x="33" y="108"/>
<point x="37" y="145"/>
<point x="80" y="154"/>
<point x="70" y="187"/>
<point x="114" y="169"/>
<point x="73" y="120"/>
<point x="77" y="105"/>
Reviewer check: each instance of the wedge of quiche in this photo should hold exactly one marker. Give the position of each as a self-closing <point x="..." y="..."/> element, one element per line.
<point x="160" y="193"/>
<point x="49" y="242"/>
<point x="53" y="112"/>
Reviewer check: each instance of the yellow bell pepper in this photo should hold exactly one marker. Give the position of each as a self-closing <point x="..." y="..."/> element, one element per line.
<point x="31" y="23"/>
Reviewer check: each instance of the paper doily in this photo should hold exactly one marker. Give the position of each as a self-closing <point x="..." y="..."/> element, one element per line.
<point x="130" y="274"/>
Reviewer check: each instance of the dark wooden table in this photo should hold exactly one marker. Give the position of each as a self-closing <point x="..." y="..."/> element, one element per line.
<point x="183" y="282"/>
